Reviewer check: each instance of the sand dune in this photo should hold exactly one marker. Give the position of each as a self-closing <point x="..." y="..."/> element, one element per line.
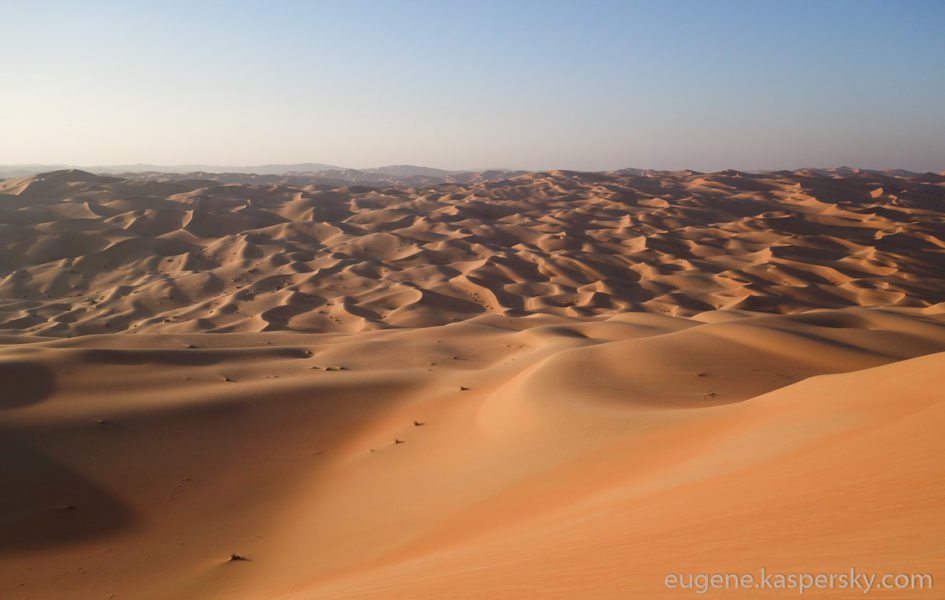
<point x="88" y="254"/>
<point x="557" y="385"/>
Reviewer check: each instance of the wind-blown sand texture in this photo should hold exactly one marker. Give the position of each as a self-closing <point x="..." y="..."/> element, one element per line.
<point x="556" y="385"/>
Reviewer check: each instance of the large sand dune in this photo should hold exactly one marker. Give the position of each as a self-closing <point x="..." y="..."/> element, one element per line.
<point x="557" y="385"/>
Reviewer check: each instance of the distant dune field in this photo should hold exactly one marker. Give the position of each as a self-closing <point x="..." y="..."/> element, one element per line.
<point x="85" y="254"/>
<point x="551" y="385"/>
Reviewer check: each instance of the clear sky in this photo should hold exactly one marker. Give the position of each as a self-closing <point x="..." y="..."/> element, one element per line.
<point x="580" y="85"/>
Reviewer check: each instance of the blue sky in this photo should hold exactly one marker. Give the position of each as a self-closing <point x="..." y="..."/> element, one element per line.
<point x="581" y="85"/>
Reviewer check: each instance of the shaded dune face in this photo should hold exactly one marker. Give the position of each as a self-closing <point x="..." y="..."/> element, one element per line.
<point x="84" y="254"/>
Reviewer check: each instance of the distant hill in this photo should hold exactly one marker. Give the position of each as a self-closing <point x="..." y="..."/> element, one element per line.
<point x="410" y="171"/>
<point x="399" y="175"/>
<point x="278" y="174"/>
<point x="270" y="169"/>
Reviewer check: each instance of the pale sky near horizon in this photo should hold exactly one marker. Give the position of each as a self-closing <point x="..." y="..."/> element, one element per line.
<point x="588" y="85"/>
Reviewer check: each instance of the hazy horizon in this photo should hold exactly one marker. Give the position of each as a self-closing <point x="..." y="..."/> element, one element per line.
<point x="277" y="168"/>
<point x="534" y="86"/>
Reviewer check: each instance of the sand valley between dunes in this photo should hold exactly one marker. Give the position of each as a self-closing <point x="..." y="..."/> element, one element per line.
<point x="554" y="385"/>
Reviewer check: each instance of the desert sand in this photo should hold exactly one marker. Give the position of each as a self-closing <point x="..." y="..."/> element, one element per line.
<point x="551" y="385"/>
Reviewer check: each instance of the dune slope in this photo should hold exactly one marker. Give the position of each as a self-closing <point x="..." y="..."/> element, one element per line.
<point x="511" y="457"/>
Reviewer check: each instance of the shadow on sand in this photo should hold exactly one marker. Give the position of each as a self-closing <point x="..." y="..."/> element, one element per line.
<point x="46" y="504"/>
<point x="24" y="383"/>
